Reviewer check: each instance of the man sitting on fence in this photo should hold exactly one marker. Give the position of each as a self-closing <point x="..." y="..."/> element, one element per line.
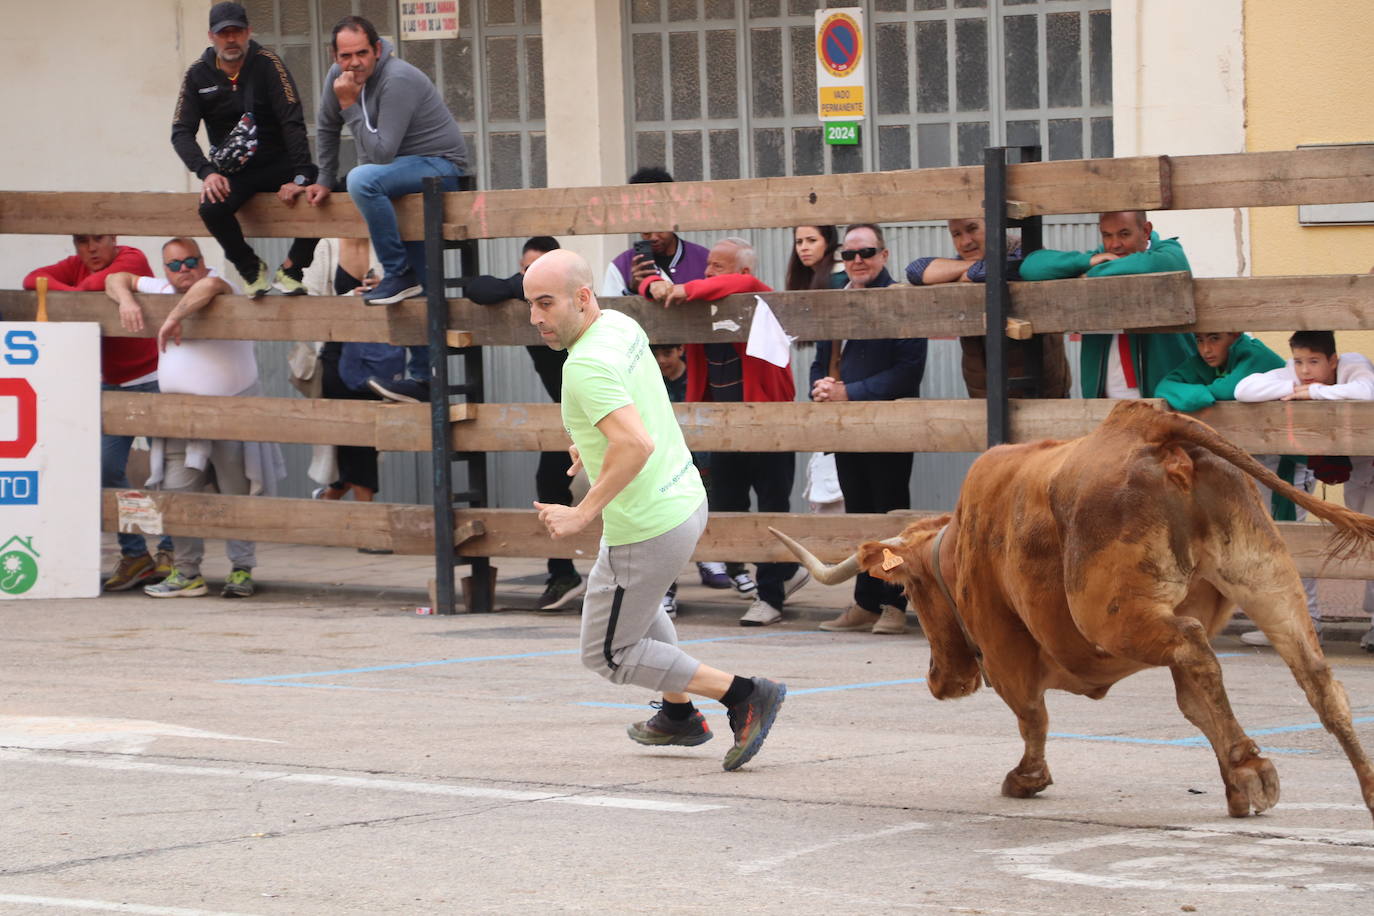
<point x="724" y="372"/>
<point x="1121" y="365"/>
<point x="126" y="364"/>
<point x="870" y="370"/>
<point x="1317" y="373"/>
<point x="1036" y="368"/>
<point x="201" y="367"/>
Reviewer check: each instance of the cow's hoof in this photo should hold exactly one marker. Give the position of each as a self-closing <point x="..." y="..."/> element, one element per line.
<point x="1027" y="784"/>
<point x="1254" y="787"/>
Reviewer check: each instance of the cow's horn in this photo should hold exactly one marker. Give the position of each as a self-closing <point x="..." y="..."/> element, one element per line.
<point x="826" y="575"/>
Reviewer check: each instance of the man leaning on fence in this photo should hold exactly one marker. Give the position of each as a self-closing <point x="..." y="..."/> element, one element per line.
<point x="252" y="113"/>
<point x="201" y="367"/>
<point x="126" y="364"/>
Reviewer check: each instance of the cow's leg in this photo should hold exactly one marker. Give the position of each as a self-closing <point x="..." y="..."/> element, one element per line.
<point x="1019" y="680"/>
<point x="1279" y="604"/>
<point x="1154" y="623"/>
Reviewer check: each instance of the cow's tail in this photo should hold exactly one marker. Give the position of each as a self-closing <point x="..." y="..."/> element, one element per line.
<point x="1354" y="534"/>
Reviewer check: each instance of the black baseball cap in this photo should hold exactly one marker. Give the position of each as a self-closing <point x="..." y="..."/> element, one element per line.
<point x="228" y="15"/>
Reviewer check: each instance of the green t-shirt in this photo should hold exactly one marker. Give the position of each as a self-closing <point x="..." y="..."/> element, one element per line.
<point x="609" y="367"/>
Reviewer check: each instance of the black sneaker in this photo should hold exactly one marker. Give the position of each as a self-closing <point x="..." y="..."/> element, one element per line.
<point x="393" y="289"/>
<point x="751" y="720"/>
<point x="559" y="591"/>
<point x="408" y="391"/>
<point x="661" y="730"/>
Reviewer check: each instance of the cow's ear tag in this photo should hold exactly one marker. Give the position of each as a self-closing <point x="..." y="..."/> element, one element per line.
<point x="891" y="560"/>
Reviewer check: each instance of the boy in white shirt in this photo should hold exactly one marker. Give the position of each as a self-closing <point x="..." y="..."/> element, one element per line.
<point x="1317" y="373"/>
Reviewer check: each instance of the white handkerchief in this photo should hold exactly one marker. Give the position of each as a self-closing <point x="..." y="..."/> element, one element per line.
<point x="767" y="340"/>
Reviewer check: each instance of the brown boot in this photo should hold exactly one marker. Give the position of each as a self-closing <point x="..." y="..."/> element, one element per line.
<point x="854" y="618"/>
<point x="892" y="622"/>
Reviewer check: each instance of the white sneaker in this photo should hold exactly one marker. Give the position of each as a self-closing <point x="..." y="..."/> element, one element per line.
<point x="1255" y="638"/>
<point x="1367" y="640"/>
<point x="795" y="582"/>
<point x="745" y="586"/>
<point x="669" y="605"/>
<point x="760" y="614"/>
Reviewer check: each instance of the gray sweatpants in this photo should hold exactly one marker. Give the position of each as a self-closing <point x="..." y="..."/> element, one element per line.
<point x="226" y="470"/>
<point x="626" y="636"/>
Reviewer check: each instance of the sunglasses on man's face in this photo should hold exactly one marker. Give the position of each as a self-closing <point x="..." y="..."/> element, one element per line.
<point x="175" y="265"/>
<point x="850" y="254"/>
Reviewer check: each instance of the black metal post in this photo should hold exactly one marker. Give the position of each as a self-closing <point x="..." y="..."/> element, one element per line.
<point x="436" y="323"/>
<point x="996" y="293"/>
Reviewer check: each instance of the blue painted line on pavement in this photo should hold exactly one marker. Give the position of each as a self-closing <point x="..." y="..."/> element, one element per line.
<point x="790" y="692"/>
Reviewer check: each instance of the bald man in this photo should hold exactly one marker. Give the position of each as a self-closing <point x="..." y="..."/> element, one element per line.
<point x="652" y="505"/>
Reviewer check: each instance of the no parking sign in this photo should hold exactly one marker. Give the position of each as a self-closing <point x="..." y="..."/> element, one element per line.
<point x="840" y="71"/>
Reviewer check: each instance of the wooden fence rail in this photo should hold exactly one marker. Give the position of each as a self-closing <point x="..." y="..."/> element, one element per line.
<point x="517" y="532"/>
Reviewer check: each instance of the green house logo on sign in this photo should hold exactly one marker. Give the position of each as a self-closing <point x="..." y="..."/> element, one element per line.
<point x="18" y="566"/>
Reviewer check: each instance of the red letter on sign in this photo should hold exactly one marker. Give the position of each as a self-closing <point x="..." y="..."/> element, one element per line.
<point x="27" y="434"/>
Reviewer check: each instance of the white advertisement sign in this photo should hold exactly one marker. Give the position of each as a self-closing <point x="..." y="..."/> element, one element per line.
<point x="840" y="64"/>
<point x="49" y="460"/>
<point x="428" y="19"/>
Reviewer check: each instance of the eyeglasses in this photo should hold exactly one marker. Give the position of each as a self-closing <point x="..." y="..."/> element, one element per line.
<point x="191" y="263"/>
<point x="850" y="254"/>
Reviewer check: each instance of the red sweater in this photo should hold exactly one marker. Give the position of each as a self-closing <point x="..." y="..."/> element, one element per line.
<point x="763" y="381"/>
<point x="122" y="359"/>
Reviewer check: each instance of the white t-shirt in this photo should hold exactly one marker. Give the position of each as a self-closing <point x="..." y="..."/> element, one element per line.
<point x="213" y="367"/>
<point x="1354" y="382"/>
<point x="1115" y="383"/>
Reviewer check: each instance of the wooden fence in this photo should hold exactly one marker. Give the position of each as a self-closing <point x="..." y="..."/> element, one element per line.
<point x="1156" y="303"/>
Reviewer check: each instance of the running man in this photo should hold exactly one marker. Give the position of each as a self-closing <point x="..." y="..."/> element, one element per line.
<point x="652" y="506"/>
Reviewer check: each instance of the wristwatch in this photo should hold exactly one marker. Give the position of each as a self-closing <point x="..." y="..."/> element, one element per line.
<point x="300" y="180"/>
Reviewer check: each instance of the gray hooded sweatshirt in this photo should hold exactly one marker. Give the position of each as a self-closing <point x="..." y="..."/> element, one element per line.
<point x="399" y="113"/>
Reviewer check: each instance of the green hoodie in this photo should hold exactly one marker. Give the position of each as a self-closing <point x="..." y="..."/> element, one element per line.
<point x="1153" y="355"/>
<point x="1194" y="385"/>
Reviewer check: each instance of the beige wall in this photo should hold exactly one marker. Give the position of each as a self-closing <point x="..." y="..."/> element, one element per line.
<point x="95" y="109"/>
<point x="1178" y="89"/>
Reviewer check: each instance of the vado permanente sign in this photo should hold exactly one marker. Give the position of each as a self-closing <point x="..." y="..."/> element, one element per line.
<point x="840" y="72"/>
<point x="49" y="460"/>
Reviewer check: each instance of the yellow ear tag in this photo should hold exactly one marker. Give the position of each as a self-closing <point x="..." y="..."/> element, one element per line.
<point x="891" y="560"/>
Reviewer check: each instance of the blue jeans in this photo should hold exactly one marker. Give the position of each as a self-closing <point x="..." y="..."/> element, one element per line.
<point x="373" y="187"/>
<point x="114" y="459"/>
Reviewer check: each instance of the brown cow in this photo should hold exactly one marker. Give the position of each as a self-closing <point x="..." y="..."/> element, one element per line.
<point x="1077" y="563"/>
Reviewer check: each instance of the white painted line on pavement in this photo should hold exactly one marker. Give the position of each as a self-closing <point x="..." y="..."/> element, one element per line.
<point x="67" y="903"/>
<point x="357" y="782"/>
<point x="758" y="865"/>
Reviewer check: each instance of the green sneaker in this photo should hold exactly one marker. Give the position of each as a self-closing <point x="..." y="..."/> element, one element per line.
<point x="238" y="585"/>
<point x="289" y="281"/>
<point x="259" y="283"/>
<point x="177" y="586"/>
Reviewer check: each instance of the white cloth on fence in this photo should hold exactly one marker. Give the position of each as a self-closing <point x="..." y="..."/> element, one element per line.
<point x="767" y="340"/>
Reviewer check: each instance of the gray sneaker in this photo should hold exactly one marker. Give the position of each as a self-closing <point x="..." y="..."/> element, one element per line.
<point x="661" y="730"/>
<point x="177" y="586"/>
<point x="238" y="585"/>
<point x="751" y="720"/>
<point x="1367" y="640"/>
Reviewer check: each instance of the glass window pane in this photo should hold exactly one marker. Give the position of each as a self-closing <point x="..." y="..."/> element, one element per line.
<point x="969" y="5"/>
<point x="759" y="8"/>
<point x="769" y="158"/>
<point x="808" y="152"/>
<point x="1021" y="35"/>
<point x="687" y="163"/>
<point x="682" y="10"/>
<point x="1066" y="138"/>
<point x="932" y="146"/>
<point x="894" y="89"/>
<point x="724" y="154"/>
<point x="684" y="64"/>
<point x="846" y="160"/>
<point x="1023" y="133"/>
<point x="534" y="13"/>
<point x="1103" y="147"/>
<point x="331" y="11"/>
<point x="262" y="18"/>
<point x="931" y="4"/>
<point x="971" y="64"/>
<point x="295" y="19"/>
<point x="802" y="7"/>
<point x="539" y="166"/>
<point x="651" y="149"/>
<point x="457" y="55"/>
<point x="766" y="51"/>
<point x="647" y="51"/>
<point x="720" y="9"/>
<point x="420" y="54"/>
<point x="500" y="12"/>
<point x="534" y="77"/>
<point x="1063" y="76"/>
<point x="503" y="79"/>
<point x="890" y="6"/>
<point x="298" y="59"/>
<point x="645" y="11"/>
<point x="722" y="87"/>
<point x="932" y="68"/>
<point x="1100" y="57"/>
<point x="504" y="160"/>
<point x="804" y="70"/>
<point x="894" y="147"/>
<point x="381" y="13"/>
<point x="973" y="139"/>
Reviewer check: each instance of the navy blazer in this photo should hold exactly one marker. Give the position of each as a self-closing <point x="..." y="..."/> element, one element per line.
<point x="876" y="370"/>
